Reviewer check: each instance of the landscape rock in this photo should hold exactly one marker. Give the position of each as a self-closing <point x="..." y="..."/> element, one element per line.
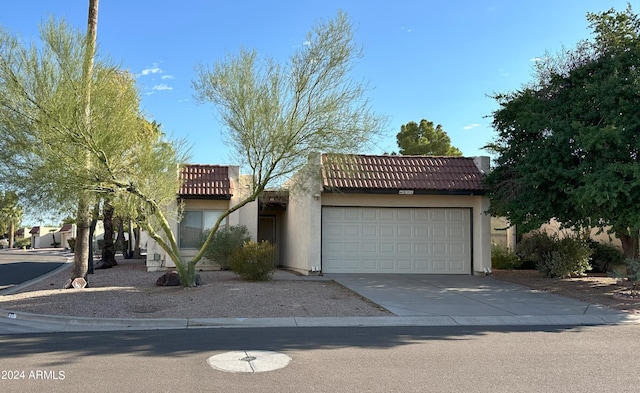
<point x="172" y="279"/>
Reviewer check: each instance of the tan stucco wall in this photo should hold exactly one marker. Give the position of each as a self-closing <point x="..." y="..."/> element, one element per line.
<point x="554" y="227"/>
<point x="301" y="232"/>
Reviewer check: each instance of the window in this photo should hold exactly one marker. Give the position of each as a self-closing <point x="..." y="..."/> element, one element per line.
<point x="194" y="224"/>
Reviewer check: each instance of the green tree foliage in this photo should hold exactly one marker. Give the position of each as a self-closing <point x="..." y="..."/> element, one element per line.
<point x="568" y="144"/>
<point x="424" y="139"/>
<point x="54" y="157"/>
<point x="277" y="115"/>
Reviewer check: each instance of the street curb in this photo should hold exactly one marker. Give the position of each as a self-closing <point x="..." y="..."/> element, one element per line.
<point x="63" y="323"/>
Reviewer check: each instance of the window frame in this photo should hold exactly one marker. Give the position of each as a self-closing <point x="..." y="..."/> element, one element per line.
<point x="203" y="226"/>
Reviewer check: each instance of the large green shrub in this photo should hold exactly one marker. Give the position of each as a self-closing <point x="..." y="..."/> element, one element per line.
<point x="225" y="242"/>
<point x="534" y="248"/>
<point x="503" y="258"/>
<point x="22" y="243"/>
<point x="604" y="256"/>
<point x="569" y="257"/>
<point x="254" y="261"/>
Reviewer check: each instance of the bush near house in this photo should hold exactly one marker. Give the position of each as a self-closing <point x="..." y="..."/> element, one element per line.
<point x="225" y="242"/>
<point x="555" y="257"/>
<point x="605" y="256"/>
<point x="72" y="243"/>
<point x="503" y="258"/>
<point x="531" y="249"/>
<point x="22" y="243"/>
<point x="254" y="261"/>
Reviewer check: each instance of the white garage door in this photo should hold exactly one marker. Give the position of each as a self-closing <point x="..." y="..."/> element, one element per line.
<point x="396" y="240"/>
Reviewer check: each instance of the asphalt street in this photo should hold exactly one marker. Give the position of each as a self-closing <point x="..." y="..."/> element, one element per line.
<point x="15" y="270"/>
<point x="381" y="359"/>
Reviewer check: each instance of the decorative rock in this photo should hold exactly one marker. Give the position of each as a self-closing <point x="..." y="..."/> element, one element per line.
<point x="102" y="265"/>
<point x="172" y="279"/>
<point x="169" y="279"/>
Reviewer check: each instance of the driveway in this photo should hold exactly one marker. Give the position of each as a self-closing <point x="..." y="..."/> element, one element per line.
<point x="409" y="295"/>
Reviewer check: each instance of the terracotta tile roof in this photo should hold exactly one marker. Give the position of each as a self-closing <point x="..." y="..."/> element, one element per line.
<point x="420" y="173"/>
<point x="66" y="228"/>
<point x="205" y="181"/>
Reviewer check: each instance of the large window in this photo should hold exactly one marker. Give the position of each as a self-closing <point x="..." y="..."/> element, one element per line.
<point x="194" y="224"/>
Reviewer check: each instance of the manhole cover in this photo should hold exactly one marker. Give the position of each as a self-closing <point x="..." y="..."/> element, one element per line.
<point x="249" y="361"/>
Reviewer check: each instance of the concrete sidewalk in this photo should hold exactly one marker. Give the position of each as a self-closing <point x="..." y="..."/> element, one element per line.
<point x="417" y="300"/>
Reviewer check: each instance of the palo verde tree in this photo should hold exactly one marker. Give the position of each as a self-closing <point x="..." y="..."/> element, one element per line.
<point x="54" y="155"/>
<point x="275" y="115"/>
<point x="568" y="144"/>
<point x="424" y="139"/>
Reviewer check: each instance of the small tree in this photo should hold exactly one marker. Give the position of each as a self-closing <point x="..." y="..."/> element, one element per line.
<point x="424" y="139"/>
<point x="277" y="115"/>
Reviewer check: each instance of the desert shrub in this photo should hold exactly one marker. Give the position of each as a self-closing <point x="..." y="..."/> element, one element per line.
<point x="604" y="256"/>
<point x="22" y="243"/>
<point x="225" y="242"/>
<point x="72" y="244"/>
<point x="254" y="261"/>
<point x="503" y="258"/>
<point x="533" y="249"/>
<point x="569" y="256"/>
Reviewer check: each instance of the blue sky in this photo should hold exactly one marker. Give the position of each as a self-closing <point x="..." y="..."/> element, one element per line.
<point x="432" y="59"/>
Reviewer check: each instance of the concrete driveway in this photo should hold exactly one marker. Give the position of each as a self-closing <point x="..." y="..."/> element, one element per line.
<point x="410" y="295"/>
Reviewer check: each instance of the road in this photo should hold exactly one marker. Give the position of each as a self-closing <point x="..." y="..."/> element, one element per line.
<point x="389" y="359"/>
<point x="18" y="266"/>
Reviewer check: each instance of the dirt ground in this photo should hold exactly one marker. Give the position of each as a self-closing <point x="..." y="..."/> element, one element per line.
<point x="595" y="288"/>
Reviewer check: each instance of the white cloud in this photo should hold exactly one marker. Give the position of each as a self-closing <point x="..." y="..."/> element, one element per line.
<point x="162" y="87"/>
<point x="471" y="126"/>
<point x="167" y="77"/>
<point x="154" y="70"/>
<point x="407" y="29"/>
<point x="536" y="59"/>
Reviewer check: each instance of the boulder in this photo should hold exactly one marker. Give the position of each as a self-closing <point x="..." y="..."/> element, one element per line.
<point x="172" y="279"/>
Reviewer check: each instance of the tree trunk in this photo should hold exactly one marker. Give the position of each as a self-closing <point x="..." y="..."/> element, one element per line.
<point x="629" y="245"/>
<point x="137" y="252"/>
<point x="120" y="240"/>
<point x="81" y="255"/>
<point x="109" y="247"/>
<point x="12" y="229"/>
<point x="92" y="231"/>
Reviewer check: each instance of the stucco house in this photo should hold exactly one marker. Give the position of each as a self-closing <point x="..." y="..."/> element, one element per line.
<point x="43" y="237"/>
<point x="360" y="214"/>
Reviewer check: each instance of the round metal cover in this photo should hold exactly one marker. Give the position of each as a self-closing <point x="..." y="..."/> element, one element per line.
<point x="249" y="361"/>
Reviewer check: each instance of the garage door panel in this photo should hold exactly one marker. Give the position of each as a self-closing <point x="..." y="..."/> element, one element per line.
<point x="369" y="231"/>
<point x="396" y="240"/>
<point x="387" y="248"/>
<point x="405" y="248"/>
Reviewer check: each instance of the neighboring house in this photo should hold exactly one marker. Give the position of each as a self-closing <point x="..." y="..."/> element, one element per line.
<point x="21" y="233"/>
<point x="65" y="233"/>
<point x="42" y="237"/>
<point x="360" y="214"/>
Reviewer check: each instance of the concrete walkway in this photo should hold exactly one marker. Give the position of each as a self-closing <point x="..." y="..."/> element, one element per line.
<point x="416" y="300"/>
